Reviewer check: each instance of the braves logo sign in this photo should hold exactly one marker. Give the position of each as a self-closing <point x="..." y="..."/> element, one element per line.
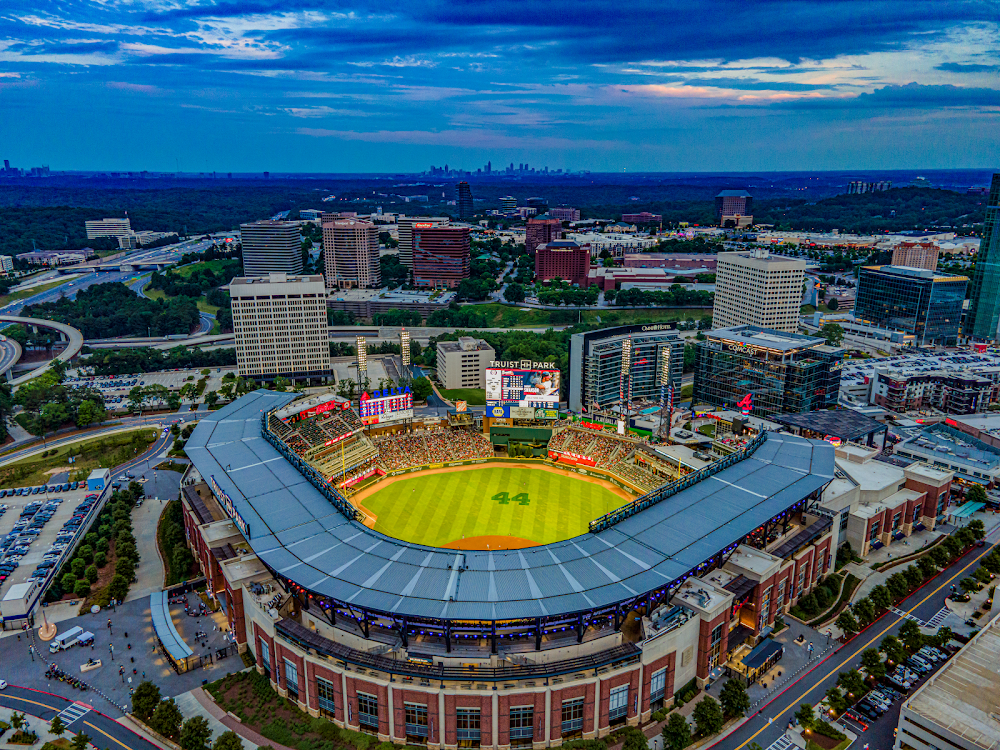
<point x="745" y="404"/>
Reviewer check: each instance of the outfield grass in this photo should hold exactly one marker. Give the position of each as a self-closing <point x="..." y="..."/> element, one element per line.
<point x="441" y="508"/>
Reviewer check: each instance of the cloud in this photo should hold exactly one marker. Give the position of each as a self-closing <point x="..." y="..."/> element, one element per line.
<point x="456" y="138"/>
<point x="912" y="96"/>
<point x="952" y="67"/>
<point x="139" y="88"/>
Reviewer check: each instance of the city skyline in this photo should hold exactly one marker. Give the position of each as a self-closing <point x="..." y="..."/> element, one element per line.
<point x="300" y="87"/>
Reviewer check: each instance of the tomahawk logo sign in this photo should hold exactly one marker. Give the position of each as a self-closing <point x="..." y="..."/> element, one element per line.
<point x="745" y="404"/>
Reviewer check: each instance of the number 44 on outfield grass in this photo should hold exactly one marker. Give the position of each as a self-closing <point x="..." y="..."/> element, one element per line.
<point x="504" y="498"/>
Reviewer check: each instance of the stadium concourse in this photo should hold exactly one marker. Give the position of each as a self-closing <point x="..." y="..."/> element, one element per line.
<point x="520" y="648"/>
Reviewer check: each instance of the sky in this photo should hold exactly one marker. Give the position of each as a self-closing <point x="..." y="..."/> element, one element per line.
<point x="360" y="86"/>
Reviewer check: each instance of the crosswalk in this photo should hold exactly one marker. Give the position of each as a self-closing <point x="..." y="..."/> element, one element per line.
<point x="782" y="743"/>
<point x="73" y="712"/>
<point x="907" y="616"/>
<point x="937" y="619"/>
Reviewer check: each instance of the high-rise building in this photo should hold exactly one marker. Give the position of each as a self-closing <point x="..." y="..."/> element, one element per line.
<point x="508" y="204"/>
<point x="271" y="246"/>
<point x="565" y="213"/>
<point x="463" y="200"/>
<point x="541" y="230"/>
<point x="404" y="225"/>
<point x="539" y="204"/>
<point x="350" y="254"/>
<point x="733" y="205"/>
<point x="441" y="255"/>
<point x="857" y="187"/>
<point x="655" y="361"/>
<point x="563" y="259"/>
<point x="783" y="373"/>
<point x="915" y="300"/>
<point x="463" y="363"/>
<point x="756" y="288"/>
<point x="983" y="319"/>
<point x="643" y="217"/>
<point x="108" y="228"/>
<point x="279" y="322"/>
<point x="915" y="255"/>
<point x="6" y="264"/>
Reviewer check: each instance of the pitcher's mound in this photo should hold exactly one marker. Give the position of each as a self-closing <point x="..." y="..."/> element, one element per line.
<point x="491" y="542"/>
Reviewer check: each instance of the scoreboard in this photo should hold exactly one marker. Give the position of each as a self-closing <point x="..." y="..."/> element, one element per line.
<point x="517" y="387"/>
<point x="387" y="405"/>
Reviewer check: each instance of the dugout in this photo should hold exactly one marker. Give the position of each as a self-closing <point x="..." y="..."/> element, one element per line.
<point x="524" y="442"/>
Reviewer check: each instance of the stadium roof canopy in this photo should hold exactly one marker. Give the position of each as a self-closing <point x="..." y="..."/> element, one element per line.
<point x="845" y="424"/>
<point x="298" y="533"/>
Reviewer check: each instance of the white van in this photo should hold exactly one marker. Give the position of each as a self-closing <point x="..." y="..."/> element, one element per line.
<point x="65" y="640"/>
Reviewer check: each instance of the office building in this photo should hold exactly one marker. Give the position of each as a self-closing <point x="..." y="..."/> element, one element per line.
<point x="463" y="200"/>
<point x="540" y="230"/>
<point x="441" y="256"/>
<point x="947" y="391"/>
<point x="597" y="379"/>
<point x="781" y="372"/>
<point x="279" y="322"/>
<point x="108" y="228"/>
<point x="350" y="254"/>
<point x="757" y="288"/>
<point x="565" y="213"/>
<point x="643" y="217"/>
<point x="916" y="255"/>
<point x="857" y="187"/>
<point x="463" y="363"/>
<point x="271" y="247"/>
<point x="914" y="300"/>
<point x="541" y="205"/>
<point x="6" y="264"/>
<point x="563" y="259"/>
<point x="983" y="317"/>
<point x="404" y="226"/>
<point x="732" y="206"/>
<point x="957" y="708"/>
<point x="508" y="204"/>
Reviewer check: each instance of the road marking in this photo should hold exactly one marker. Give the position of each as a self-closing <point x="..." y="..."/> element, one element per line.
<point x="782" y="743"/>
<point x="907" y="616"/>
<point x="74" y="711"/>
<point x="35" y="703"/>
<point x="938" y="618"/>
<point x="874" y="638"/>
<point x="127" y="747"/>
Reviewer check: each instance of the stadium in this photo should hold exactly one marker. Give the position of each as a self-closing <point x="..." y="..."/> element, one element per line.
<point x="336" y="549"/>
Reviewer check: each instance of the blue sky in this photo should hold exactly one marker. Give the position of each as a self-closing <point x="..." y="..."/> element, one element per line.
<point x="649" y="85"/>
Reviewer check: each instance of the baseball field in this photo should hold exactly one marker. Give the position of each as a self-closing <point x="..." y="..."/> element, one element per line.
<point x="507" y="507"/>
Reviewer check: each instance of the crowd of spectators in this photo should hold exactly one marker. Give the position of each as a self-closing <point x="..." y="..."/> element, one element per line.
<point x="403" y="450"/>
<point x="645" y="480"/>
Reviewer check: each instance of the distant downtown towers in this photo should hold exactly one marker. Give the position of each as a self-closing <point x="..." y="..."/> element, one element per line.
<point x="983" y="319"/>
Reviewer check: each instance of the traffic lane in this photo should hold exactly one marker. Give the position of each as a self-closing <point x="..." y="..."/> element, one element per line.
<point x="162" y="442"/>
<point x="104" y="731"/>
<point x="770" y="722"/>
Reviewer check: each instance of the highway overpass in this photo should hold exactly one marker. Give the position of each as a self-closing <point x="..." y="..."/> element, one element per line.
<point x="66" y="332"/>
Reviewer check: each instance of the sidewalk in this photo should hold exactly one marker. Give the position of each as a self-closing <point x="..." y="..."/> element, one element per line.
<point x="198" y="703"/>
<point x="34" y="724"/>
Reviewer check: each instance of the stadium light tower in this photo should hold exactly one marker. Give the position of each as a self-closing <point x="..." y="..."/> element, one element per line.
<point x="626" y="373"/>
<point x="362" y="361"/>
<point x="404" y="352"/>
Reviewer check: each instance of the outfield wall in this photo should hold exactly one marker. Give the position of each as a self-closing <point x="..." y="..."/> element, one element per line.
<point x="591" y="471"/>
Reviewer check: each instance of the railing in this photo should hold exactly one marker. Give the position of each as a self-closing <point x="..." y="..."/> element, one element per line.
<point x="307" y="639"/>
<point x="671" y="489"/>
<point x="314" y="478"/>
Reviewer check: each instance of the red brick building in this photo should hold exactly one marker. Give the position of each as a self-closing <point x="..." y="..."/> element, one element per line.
<point x="539" y="231"/>
<point x="563" y="259"/>
<point x="441" y="255"/>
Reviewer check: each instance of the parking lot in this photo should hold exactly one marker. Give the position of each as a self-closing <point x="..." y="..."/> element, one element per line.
<point x="26" y="537"/>
<point x="115" y="388"/>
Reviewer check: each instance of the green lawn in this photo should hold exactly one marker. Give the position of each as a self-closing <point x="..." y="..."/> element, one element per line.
<point x="203" y="306"/>
<point x="6" y="299"/>
<point x="475" y="396"/>
<point x="213" y="265"/>
<point x="436" y="509"/>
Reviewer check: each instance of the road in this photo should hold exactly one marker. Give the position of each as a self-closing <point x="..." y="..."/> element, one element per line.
<point x="11" y="353"/>
<point x="78" y="715"/>
<point x="770" y="722"/>
<point x="72" y="349"/>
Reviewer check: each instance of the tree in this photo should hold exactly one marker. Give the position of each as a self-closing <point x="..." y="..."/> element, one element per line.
<point x="228" y="741"/>
<point x="676" y="733"/>
<point x="67" y="582"/>
<point x="847" y="623"/>
<point x="805" y="716"/>
<point x="17" y="721"/>
<point x="943" y="635"/>
<point x="928" y="568"/>
<point x="91" y="574"/>
<point x="914" y="576"/>
<point x="514" y="293"/>
<point x="734" y="698"/>
<point x="897" y="585"/>
<point x="832" y="304"/>
<point x="166" y="719"/>
<point x="89" y="412"/>
<point x="976" y="494"/>
<point x="871" y="660"/>
<point x="880" y="597"/>
<point x="864" y="610"/>
<point x="180" y="562"/>
<point x="634" y="739"/>
<point x="853" y="683"/>
<point x="195" y="734"/>
<point x="708" y="716"/>
<point x="835" y="697"/>
<point x="57" y="727"/>
<point x="80" y="742"/>
<point x="968" y="585"/>
<point x="145" y="700"/>
<point x="118" y="588"/>
<point x="833" y="333"/>
<point x="212" y="398"/>
<point x="421" y="388"/>
<point x="910" y="635"/>
<point x="976" y="527"/>
<point x="82" y="588"/>
<point x="893" y="649"/>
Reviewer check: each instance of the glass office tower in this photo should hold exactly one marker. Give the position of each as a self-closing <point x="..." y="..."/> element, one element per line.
<point x="914" y="300"/>
<point x="983" y="319"/>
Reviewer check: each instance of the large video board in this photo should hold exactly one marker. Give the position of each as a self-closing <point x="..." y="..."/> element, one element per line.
<point x="522" y="384"/>
<point x="388" y="405"/>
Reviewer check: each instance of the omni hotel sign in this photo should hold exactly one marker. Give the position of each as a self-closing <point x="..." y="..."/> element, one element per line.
<point x="229" y="507"/>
